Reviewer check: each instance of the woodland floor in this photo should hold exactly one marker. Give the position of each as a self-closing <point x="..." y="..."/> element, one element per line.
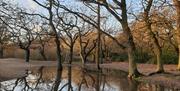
<point x="14" y="68"/>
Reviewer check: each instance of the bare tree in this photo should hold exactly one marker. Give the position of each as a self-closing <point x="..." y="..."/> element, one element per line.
<point x="50" y="18"/>
<point x="87" y="43"/>
<point x="123" y="19"/>
<point x="21" y="27"/>
<point x="43" y="38"/>
<point x="69" y="34"/>
<point x="25" y="34"/>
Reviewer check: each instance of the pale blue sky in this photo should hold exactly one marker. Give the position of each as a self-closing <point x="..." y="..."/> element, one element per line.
<point x="33" y="5"/>
<point x="29" y="4"/>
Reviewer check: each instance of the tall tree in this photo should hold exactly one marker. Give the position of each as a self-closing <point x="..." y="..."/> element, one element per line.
<point x="177" y="6"/>
<point x="69" y="35"/>
<point x="25" y="33"/>
<point x="122" y="18"/>
<point x="98" y="54"/>
<point x="20" y="26"/>
<point x="49" y="6"/>
<point x="156" y="45"/>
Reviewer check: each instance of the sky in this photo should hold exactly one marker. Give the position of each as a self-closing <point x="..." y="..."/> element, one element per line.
<point x="29" y="4"/>
<point x="32" y="5"/>
<point x="26" y="3"/>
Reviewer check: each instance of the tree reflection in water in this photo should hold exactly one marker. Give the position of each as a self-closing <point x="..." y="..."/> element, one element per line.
<point x="41" y="79"/>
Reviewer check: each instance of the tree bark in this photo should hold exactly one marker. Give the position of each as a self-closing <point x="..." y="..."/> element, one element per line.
<point x="1" y="51"/>
<point x="58" y="49"/>
<point x="160" y="67"/>
<point x="133" y="72"/>
<point x="177" y="6"/>
<point x="98" y="55"/>
<point x="27" y="54"/>
<point x="59" y="65"/>
<point x="70" y="68"/>
<point x="41" y="51"/>
<point x="69" y="78"/>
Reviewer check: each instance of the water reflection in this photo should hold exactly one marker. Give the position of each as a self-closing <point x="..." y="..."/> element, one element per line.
<point x="77" y="79"/>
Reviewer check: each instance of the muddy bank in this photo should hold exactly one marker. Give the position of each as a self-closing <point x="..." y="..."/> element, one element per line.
<point x="15" y="68"/>
<point x="170" y="79"/>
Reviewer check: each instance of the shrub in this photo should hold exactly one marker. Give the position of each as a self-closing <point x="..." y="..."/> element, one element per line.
<point x="169" y="57"/>
<point x="142" y="57"/>
<point x="119" y="56"/>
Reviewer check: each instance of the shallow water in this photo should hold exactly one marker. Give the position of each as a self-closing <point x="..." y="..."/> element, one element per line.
<point x="41" y="79"/>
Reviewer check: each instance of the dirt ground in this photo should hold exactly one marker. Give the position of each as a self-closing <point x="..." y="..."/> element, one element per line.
<point x="14" y="68"/>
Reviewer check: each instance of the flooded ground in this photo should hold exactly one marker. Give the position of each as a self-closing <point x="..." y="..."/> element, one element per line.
<point x="42" y="78"/>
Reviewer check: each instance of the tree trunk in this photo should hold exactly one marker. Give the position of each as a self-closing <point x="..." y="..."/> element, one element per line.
<point x="133" y="72"/>
<point x="59" y="65"/>
<point x="41" y="50"/>
<point x="133" y="85"/>
<point x="97" y="83"/>
<point x="160" y="68"/>
<point x="156" y="45"/>
<point x="98" y="58"/>
<point x="177" y="6"/>
<point x="58" y="49"/>
<point x="1" y="51"/>
<point x="178" y="68"/>
<point x="157" y="51"/>
<point x="82" y="59"/>
<point x="82" y="51"/>
<point x="69" y="78"/>
<point x="69" y="68"/>
<point x="27" y="54"/>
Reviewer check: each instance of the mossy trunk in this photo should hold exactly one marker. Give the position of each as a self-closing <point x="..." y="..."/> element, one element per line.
<point x="177" y="6"/>
<point x="159" y="68"/>
<point x="178" y="67"/>
<point x="133" y="72"/>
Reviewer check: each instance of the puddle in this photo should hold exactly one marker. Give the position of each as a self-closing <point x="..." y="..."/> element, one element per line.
<point x="42" y="79"/>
